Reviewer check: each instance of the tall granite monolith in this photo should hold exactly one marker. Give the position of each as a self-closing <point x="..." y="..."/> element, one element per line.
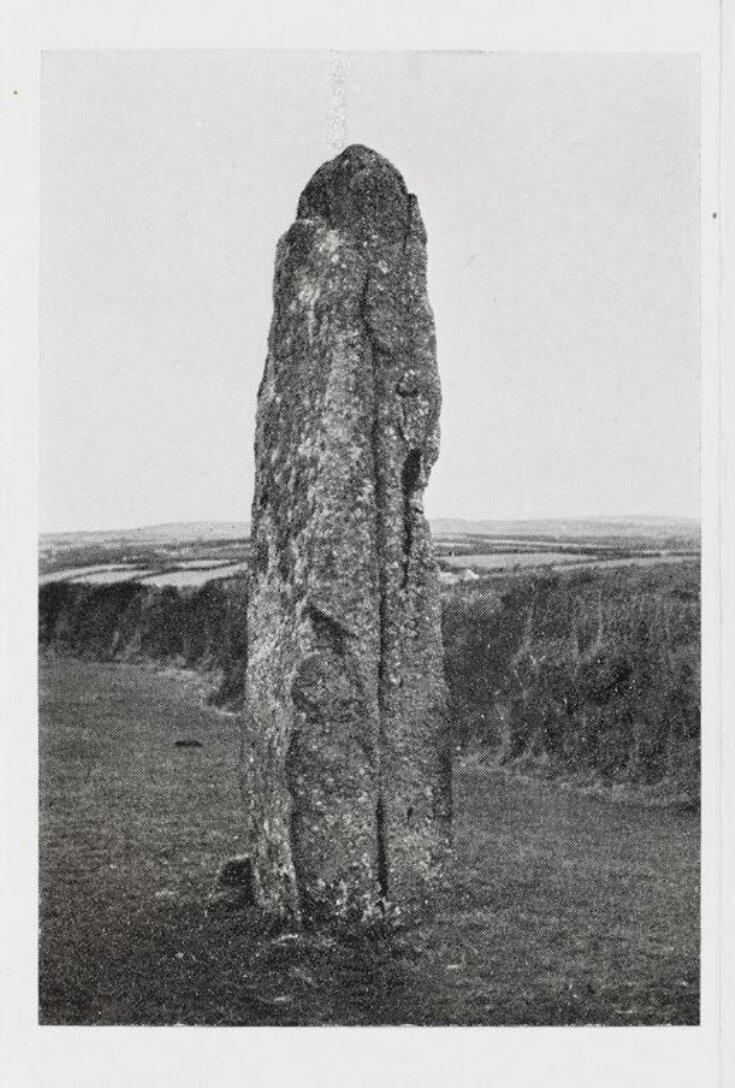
<point x="346" y="745"/>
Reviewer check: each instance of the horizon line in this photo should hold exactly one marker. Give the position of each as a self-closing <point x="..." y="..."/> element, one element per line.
<point x="679" y="517"/>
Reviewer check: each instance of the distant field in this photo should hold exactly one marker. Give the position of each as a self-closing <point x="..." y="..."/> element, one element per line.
<point x="106" y="577"/>
<point x="157" y="550"/>
<point x="67" y="574"/>
<point x="194" y="576"/>
<point x="156" y="568"/>
<point x="567" y="560"/>
<point x="562" y="908"/>
<point x="194" y="572"/>
<point x="192" y="555"/>
<point x="508" y="560"/>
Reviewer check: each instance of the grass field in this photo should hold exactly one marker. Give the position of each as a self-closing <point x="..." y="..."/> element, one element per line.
<point x="562" y="908"/>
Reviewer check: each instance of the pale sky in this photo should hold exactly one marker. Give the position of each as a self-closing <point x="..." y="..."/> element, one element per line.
<point x="561" y="200"/>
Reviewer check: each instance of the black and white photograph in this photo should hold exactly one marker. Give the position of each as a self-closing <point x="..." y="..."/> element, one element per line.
<point x="372" y="542"/>
<point x="343" y="722"/>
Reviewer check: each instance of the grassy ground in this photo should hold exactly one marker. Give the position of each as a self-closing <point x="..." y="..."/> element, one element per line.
<point x="563" y="908"/>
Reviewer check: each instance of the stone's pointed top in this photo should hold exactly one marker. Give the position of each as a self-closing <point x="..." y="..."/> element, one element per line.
<point x="359" y="193"/>
<point x="359" y="157"/>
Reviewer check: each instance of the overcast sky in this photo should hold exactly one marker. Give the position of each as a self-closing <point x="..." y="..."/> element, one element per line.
<point x="560" y="196"/>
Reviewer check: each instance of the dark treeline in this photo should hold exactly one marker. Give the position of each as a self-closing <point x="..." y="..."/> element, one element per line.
<point x="201" y="627"/>
<point x="594" y="673"/>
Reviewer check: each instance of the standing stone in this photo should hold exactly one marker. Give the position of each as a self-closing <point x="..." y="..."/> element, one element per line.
<point x="347" y="756"/>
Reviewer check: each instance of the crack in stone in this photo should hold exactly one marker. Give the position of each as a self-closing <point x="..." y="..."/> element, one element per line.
<point x="410" y="485"/>
<point x="375" y="352"/>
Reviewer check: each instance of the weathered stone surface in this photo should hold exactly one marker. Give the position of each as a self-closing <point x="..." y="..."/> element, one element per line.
<point x="346" y="743"/>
